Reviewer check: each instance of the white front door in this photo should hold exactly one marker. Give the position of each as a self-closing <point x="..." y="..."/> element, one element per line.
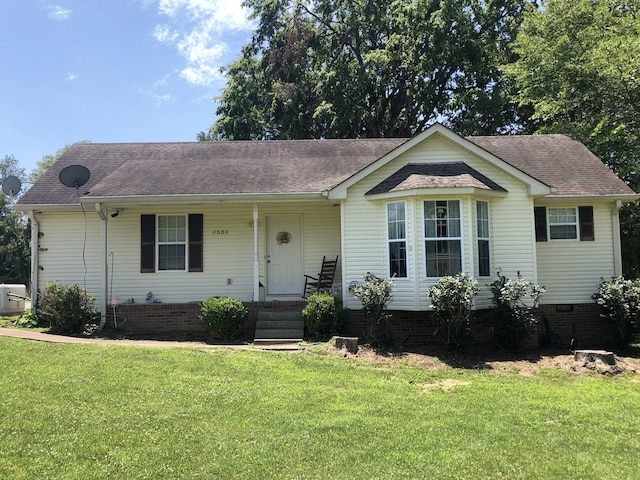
<point x="284" y="255"/>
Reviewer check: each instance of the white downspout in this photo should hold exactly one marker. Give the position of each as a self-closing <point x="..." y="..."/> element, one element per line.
<point x="104" y="281"/>
<point x="256" y="262"/>
<point x="617" y="249"/>
<point x="35" y="250"/>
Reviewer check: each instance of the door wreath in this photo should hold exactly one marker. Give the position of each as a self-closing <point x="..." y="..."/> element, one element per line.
<point x="283" y="237"/>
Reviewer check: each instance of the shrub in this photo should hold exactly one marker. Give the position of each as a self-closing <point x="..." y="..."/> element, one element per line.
<point x="452" y="300"/>
<point x="225" y="317"/>
<point x="513" y="319"/>
<point x="28" y="320"/>
<point x="323" y="315"/>
<point x="66" y="309"/>
<point x="620" y="302"/>
<point x="375" y="295"/>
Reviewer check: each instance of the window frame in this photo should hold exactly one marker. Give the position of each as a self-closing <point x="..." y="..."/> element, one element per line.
<point x="183" y="243"/>
<point x="401" y="240"/>
<point x="575" y="225"/>
<point x="459" y="239"/>
<point x="486" y="238"/>
<point x="149" y="244"/>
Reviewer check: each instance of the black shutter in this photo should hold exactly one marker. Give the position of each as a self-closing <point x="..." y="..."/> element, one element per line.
<point x="195" y="242"/>
<point x="586" y="224"/>
<point x="540" y="215"/>
<point x="147" y="243"/>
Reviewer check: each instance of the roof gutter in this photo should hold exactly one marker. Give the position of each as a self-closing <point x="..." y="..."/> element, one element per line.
<point x="235" y="197"/>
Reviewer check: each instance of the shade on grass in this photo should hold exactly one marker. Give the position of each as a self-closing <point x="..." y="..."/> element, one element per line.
<point x="83" y="411"/>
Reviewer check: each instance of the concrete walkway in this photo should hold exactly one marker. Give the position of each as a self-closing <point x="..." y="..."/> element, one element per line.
<point x="48" y="337"/>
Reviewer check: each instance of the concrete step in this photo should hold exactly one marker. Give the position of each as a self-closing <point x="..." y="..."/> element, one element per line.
<point x="294" y="334"/>
<point x="280" y="325"/>
<point x="271" y="315"/>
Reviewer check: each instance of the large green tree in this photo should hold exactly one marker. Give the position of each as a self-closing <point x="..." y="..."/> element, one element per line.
<point x="366" y="68"/>
<point x="578" y="69"/>
<point x="15" y="232"/>
<point x="45" y="163"/>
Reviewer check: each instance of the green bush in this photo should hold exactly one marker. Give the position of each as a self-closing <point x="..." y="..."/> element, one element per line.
<point x="66" y="309"/>
<point x="375" y="296"/>
<point x="323" y="315"/>
<point x="452" y="300"/>
<point x="28" y="320"/>
<point x="513" y="319"/>
<point x="225" y="317"/>
<point x="620" y="302"/>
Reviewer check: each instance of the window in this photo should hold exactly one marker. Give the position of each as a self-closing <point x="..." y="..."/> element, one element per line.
<point x="397" y="239"/>
<point x="563" y="223"/>
<point x="171" y="243"/>
<point x="482" y="221"/>
<point x="443" y="237"/>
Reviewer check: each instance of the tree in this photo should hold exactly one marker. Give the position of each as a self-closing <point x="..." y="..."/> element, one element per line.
<point x="15" y="232"/>
<point x="577" y="69"/>
<point x="344" y="68"/>
<point x="43" y="165"/>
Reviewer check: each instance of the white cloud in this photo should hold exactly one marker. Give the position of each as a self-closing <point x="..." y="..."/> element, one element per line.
<point x="198" y="29"/>
<point x="56" y="12"/>
<point x="72" y="77"/>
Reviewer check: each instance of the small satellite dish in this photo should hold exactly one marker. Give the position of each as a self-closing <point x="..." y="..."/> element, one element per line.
<point x="74" y="176"/>
<point x="11" y="185"/>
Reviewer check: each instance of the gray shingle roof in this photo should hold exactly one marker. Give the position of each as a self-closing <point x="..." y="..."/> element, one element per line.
<point x="558" y="161"/>
<point x="435" y="175"/>
<point x="295" y="166"/>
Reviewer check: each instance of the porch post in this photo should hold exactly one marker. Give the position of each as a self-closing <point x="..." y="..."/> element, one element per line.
<point x="256" y="263"/>
<point x="617" y="249"/>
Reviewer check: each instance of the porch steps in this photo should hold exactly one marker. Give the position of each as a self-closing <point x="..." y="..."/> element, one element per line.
<point x="279" y="327"/>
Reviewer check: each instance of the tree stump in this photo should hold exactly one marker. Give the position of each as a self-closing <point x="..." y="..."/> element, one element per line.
<point x="350" y="344"/>
<point x="585" y="357"/>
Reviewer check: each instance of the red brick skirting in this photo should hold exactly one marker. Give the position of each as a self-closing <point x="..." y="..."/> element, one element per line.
<point x="580" y="321"/>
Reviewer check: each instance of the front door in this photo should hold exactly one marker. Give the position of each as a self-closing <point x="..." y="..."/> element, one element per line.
<point x="284" y="255"/>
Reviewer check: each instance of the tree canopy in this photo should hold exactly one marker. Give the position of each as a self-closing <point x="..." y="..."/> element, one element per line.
<point x="15" y="232"/>
<point x="578" y="69"/>
<point x="346" y="68"/>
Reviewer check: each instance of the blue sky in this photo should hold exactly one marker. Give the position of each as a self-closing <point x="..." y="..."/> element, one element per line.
<point x="111" y="70"/>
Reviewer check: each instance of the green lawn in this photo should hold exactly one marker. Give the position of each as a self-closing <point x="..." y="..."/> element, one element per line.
<point x="90" y="412"/>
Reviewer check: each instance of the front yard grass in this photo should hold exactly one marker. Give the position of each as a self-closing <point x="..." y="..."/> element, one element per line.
<point x="87" y="411"/>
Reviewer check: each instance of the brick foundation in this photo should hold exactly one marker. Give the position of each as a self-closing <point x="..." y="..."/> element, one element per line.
<point x="408" y="328"/>
<point x="143" y="318"/>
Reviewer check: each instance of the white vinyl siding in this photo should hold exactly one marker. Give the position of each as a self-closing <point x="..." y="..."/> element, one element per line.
<point x="69" y="250"/>
<point x="364" y="224"/>
<point x="227" y="250"/>
<point x="571" y="271"/>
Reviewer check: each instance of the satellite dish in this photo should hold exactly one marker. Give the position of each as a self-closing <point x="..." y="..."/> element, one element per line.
<point x="74" y="176"/>
<point x="11" y="185"/>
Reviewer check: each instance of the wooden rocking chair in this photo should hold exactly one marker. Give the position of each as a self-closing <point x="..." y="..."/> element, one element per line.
<point x="323" y="281"/>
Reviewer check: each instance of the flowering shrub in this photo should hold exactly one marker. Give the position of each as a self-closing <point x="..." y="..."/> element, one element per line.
<point x="513" y="319"/>
<point x="452" y="300"/>
<point x="620" y="303"/>
<point x="375" y="295"/>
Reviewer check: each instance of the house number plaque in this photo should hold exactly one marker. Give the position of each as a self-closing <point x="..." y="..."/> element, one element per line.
<point x="220" y="231"/>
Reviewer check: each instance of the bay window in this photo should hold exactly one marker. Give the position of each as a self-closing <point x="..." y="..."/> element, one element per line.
<point x="443" y="237"/>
